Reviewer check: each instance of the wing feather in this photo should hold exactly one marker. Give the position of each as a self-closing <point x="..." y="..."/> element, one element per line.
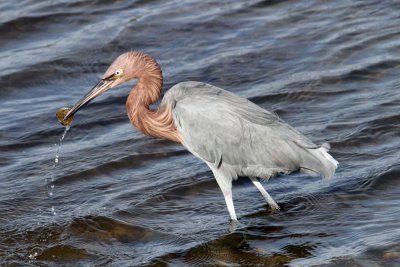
<point x="223" y="128"/>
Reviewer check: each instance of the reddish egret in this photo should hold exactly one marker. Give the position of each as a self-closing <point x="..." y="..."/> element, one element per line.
<point x="232" y="135"/>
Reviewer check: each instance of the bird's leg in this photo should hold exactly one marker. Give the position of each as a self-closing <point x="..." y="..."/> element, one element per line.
<point x="225" y="183"/>
<point x="265" y="194"/>
<point x="232" y="226"/>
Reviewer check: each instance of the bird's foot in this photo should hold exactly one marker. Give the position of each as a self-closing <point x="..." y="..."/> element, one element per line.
<point x="233" y="225"/>
<point x="274" y="207"/>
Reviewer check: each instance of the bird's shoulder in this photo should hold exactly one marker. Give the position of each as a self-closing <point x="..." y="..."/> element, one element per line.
<point x="205" y="98"/>
<point x="192" y="89"/>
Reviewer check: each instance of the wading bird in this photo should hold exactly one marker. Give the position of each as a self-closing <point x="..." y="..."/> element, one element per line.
<point x="232" y="135"/>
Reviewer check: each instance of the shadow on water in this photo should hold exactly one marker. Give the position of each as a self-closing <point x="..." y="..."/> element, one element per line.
<point x="236" y="248"/>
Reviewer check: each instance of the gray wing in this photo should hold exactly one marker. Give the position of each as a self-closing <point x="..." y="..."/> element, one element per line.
<point x="224" y="129"/>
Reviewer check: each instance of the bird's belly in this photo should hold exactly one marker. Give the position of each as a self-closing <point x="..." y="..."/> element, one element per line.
<point x="259" y="171"/>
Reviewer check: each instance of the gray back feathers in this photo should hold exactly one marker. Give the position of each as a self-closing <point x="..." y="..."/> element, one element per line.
<point x="240" y="137"/>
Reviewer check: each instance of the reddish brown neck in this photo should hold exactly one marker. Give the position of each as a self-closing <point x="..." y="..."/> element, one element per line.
<point x="157" y="123"/>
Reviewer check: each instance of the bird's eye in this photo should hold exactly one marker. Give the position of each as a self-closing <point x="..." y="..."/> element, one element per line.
<point x="118" y="72"/>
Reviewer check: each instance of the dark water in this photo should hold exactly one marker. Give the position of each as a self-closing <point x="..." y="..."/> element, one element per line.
<point x="329" y="68"/>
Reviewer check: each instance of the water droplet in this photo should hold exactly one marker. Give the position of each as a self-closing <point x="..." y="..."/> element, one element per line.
<point x="53" y="210"/>
<point x="53" y="173"/>
<point x="33" y="256"/>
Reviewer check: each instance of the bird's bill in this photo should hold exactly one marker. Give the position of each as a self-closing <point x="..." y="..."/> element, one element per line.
<point x="99" y="88"/>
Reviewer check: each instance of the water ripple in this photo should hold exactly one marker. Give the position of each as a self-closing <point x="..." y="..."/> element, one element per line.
<point x="121" y="198"/>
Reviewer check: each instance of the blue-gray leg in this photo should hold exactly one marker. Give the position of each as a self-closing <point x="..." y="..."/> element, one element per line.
<point x="226" y="187"/>
<point x="265" y="194"/>
<point x="225" y="183"/>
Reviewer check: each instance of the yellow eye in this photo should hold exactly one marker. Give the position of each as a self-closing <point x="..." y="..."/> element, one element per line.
<point x="119" y="73"/>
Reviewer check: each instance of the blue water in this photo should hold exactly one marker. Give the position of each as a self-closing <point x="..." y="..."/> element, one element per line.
<point x="329" y="68"/>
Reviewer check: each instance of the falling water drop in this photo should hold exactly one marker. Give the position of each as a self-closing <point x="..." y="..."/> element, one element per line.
<point x="53" y="210"/>
<point x="50" y="182"/>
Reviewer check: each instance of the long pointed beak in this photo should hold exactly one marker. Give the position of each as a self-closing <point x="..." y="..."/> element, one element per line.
<point x="99" y="88"/>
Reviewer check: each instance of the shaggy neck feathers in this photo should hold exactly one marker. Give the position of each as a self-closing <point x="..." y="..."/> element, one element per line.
<point x="158" y="123"/>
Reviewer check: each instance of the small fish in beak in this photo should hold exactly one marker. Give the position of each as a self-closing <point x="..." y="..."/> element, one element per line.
<point x="61" y="116"/>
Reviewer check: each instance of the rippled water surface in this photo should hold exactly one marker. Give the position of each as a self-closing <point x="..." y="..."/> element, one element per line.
<point x="329" y="68"/>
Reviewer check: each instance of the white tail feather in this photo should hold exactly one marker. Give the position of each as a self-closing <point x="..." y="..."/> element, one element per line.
<point x="328" y="156"/>
<point x="321" y="163"/>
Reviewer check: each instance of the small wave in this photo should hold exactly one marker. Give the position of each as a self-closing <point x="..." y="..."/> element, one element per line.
<point x="132" y="161"/>
<point x="383" y="180"/>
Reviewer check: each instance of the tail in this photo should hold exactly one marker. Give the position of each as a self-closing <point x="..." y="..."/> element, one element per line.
<point x="320" y="162"/>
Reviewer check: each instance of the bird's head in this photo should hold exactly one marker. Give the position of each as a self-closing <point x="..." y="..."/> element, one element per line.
<point x="126" y="67"/>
